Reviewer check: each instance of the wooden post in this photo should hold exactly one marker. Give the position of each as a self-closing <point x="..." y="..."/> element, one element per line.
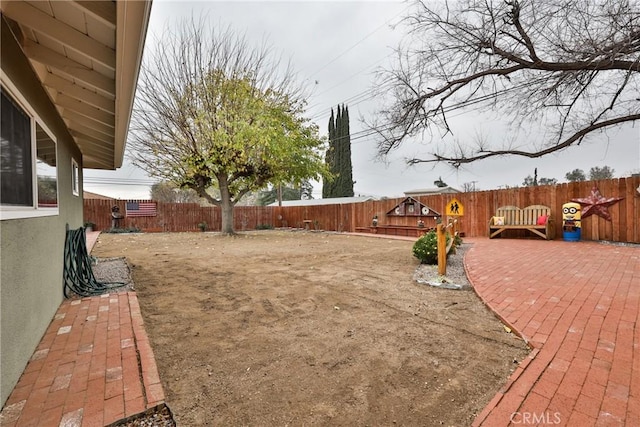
<point x="454" y="224"/>
<point x="442" y="249"/>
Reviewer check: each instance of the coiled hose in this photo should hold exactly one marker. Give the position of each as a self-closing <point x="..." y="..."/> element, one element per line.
<point x="78" y="274"/>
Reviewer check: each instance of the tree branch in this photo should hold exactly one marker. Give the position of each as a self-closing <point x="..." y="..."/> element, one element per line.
<point x="457" y="162"/>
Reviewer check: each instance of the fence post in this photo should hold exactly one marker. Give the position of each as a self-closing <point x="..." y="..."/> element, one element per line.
<point x="442" y="249"/>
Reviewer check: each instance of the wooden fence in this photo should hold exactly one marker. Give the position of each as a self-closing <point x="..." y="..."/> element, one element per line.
<point x="479" y="207"/>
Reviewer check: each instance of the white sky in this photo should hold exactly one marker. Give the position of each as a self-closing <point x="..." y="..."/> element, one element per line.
<point x="336" y="46"/>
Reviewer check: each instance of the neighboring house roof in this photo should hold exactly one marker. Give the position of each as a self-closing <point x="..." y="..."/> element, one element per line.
<point x="87" y="54"/>
<point x="318" y="202"/>
<point x="430" y="191"/>
<point x="89" y="195"/>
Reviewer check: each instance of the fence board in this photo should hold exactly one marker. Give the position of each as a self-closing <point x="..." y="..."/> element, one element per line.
<point x="478" y="206"/>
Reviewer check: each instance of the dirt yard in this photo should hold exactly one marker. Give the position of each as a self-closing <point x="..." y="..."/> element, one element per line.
<point x="303" y="328"/>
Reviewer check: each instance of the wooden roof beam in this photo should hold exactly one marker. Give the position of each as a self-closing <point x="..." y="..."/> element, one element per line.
<point x="93" y="133"/>
<point x="104" y="11"/>
<point x="42" y="22"/>
<point x="78" y="71"/>
<point x="93" y="145"/>
<point x="84" y="109"/>
<point x="73" y="117"/>
<point x="75" y="91"/>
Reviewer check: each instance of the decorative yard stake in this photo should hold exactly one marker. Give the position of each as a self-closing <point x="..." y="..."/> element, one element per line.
<point x="597" y="204"/>
<point x="443" y="248"/>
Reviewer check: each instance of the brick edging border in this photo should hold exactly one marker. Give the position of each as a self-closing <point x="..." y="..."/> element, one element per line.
<point x="153" y="391"/>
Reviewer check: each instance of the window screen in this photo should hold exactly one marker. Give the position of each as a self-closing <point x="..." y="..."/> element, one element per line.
<point x="15" y="155"/>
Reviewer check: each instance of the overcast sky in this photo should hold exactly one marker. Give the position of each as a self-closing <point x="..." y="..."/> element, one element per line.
<point x="335" y="47"/>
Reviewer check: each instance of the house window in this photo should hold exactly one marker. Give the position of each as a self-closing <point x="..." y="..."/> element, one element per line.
<point x="15" y="147"/>
<point x="75" y="177"/>
<point x="28" y="161"/>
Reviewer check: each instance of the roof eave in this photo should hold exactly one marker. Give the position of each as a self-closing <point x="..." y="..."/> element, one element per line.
<point x="131" y="31"/>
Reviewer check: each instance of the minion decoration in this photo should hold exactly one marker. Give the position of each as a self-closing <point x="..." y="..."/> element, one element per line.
<point x="571" y="222"/>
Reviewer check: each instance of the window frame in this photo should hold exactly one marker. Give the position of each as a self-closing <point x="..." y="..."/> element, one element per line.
<point x="17" y="212"/>
<point x="75" y="177"/>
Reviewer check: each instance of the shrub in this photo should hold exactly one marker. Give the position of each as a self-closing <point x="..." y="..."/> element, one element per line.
<point x="426" y="248"/>
<point x="123" y="230"/>
<point x="264" y="227"/>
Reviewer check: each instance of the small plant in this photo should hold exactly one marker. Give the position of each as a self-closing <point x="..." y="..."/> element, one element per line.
<point x="426" y="248"/>
<point x="123" y="230"/>
<point x="203" y="226"/>
<point x="264" y="227"/>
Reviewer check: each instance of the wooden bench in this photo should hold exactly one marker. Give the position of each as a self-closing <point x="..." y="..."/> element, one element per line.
<point x="529" y="218"/>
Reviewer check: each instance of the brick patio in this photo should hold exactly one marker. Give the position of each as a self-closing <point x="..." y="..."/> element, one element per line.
<point x="93" y="366"/>
<point x="577" y="304"/>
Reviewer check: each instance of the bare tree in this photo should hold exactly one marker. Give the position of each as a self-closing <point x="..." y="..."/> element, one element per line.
<point x="469" y="187"/>
<point x="571" y="67"/>
<point x="214" y="113"/>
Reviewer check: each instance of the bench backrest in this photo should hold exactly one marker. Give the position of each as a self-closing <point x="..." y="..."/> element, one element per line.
<point x="513" y="215"/>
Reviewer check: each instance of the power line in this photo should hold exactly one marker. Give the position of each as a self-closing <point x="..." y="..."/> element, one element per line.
<point x="117" y="181"/>
<point x="451" y="108"/>
<point x="359" y="42"/>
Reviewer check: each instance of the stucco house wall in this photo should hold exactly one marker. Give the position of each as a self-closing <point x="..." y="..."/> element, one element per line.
<point x="32" y="248"/>
<point x="80" y="61"/>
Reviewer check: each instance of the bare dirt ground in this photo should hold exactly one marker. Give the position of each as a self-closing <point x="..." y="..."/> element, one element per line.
<point x="302" y="328"/>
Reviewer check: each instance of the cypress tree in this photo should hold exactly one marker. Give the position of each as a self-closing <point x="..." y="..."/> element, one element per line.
<point x="346" y="169"/>
<point x="338" y="156"/>
<point x="328" y="187"/>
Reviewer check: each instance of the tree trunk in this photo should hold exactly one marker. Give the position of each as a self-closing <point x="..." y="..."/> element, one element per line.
<point x="279" y="194"/>
<point x="226" y="206"/>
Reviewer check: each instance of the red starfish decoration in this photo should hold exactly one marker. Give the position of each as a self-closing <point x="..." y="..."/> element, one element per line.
<point x="597" y="204"/>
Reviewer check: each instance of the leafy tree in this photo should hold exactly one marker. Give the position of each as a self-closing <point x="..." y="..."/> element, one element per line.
<point x="598" y="173"/>
<point x="169" y="193"/>
<point x="575" y="175"/>
<point x="548" y="181"/>
<point x="270" y="195"/>
<point x="306" y="190"/>
<point x="47" y="189"/>
<point x="213" y="113"/>
<point x="534" y="181"/>
<point x="568" y="66"/>
<point x="338" y="156"/>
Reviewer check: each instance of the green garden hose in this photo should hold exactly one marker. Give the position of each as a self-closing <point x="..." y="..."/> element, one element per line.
<point x="78" y="274"/>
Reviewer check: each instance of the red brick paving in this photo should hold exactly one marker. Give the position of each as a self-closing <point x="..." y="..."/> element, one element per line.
<point x="577" y="304"/>
<point x="94" y="366"/>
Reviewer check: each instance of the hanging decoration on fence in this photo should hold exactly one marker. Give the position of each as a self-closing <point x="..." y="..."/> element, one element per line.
<point x="134" y="208"/>
<point x="412" y="207"/>
<point x="454" y="208"/>
<point x="597" y="204"/>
